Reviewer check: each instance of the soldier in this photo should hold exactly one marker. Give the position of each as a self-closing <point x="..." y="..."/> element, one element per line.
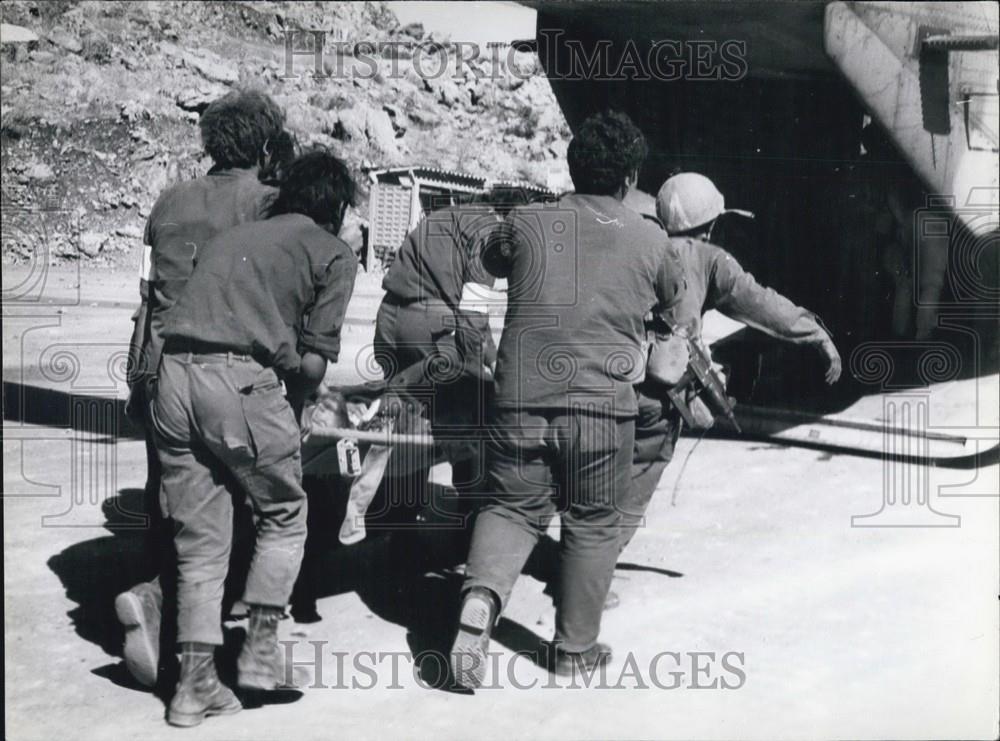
<point x="263" y="308"/>
<point x="432" y="287"/>
<point x="581" y="274"/>
<point x="432" y="330"/>
<point x="239" y="132"/>
<point x="689" y="204"/>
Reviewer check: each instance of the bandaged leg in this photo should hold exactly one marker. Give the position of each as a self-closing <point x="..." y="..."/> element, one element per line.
<point x="363" y="492"/>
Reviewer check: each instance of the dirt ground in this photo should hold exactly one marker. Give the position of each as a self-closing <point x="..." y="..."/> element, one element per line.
<point x="750" y="606"/>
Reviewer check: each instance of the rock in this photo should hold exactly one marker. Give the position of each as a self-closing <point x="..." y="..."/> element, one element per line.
<point x="481" y="92"/>
<point x="445" y="89"/>
<point x="396" y="117"/>
<point x="170" y="50"/>
<point x="364" y="123"/>
<point x="11" y="34"/>
<point x="424" y="117"/>
<point x="212" y="67"/>
<point x="349" y="123"/>
<point x="536" y="92"/>
<point x="116" y="244"/>
<point x="65" y="40"/>
<point x="91" y="243"/>
<point x="39" y="171"/>
<point x="197" y="99"/>
<point x="402" y="84"/>
<point x="305" y="119"/>
<point x="133" y="111"/>
<point x="329" y="102"/>
<point x="43" y="57"/>
<point x="380" y="131"/>
<point x="558" y="149"/>
<point x="413" y="30"/>
<point x="131" y="231"/>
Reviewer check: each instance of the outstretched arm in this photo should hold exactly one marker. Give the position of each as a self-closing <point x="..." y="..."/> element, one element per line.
<point x="735" y="293"/>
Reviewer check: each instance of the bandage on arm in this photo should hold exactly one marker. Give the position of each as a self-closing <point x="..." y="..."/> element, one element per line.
<point x="140" y="320"/>
<point x="472" y="328"/>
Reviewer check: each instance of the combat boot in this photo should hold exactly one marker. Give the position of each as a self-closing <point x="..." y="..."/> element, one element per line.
<point x="199" y="692"/>
<point x="261" y="664"/>
<point x="566" y="663"/>
<point x="138" y="611"/>
<point x="480" y="609"/>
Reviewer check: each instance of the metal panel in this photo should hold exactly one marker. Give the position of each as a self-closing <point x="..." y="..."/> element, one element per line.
<point x="389" y="216"/>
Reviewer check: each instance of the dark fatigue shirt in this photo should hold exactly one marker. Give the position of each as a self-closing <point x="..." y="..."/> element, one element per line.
<point x="582" y="273"/>
<point x="183" y="219"/>
<point x="715" y="280"/>
<point x="275" y="289"/>
<point x="441" y="255"/>
<point x="436" y="260"/>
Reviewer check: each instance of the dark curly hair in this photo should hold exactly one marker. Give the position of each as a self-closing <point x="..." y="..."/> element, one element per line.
<point x="317" y="184"/>
<point x="606" y="150"/>
<point x="235" y="127"/>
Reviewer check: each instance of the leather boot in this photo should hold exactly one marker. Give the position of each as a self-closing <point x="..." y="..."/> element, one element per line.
<point x="199" y="691"/>
<point x="566" y="663"/>
<point x="138" y="611"/>
<point x="261" y="664"/>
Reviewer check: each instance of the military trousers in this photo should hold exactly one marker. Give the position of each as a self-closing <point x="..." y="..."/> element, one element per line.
<point x="218" y="415"/>
<point x="543" y="462"/>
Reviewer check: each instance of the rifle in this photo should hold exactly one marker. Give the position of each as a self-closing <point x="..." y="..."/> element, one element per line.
<point x="701" y="381"/>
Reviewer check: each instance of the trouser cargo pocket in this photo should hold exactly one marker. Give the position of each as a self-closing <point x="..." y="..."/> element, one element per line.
<point x="274" y="433"/>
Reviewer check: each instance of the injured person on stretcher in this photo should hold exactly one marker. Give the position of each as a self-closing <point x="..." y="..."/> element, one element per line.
<point x="420" y="445"/>
<point x="384" y="433"/>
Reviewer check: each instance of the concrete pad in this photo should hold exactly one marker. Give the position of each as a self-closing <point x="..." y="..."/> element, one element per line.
<point x="751" y="607"/>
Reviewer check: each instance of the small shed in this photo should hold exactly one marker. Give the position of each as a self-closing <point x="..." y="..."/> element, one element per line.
<point x="401" y="196"/>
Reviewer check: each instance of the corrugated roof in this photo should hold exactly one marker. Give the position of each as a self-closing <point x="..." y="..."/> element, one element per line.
<point x="456" y="177"/>
<point x="431" y="173"/>
<point x="520" y="184"/>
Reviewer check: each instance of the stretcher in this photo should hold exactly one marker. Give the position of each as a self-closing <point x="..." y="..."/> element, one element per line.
<point x="838" y="432"/>
<point x="369" y="431"/>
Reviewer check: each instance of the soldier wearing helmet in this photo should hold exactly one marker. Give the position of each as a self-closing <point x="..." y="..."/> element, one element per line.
<point x="688" y="206"/>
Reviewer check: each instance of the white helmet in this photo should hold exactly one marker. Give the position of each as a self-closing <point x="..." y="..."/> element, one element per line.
<point x="690" y="200"/>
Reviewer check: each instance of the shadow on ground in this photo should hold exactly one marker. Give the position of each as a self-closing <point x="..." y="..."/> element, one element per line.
<point x="54" y="408"/>
<point x="407" y="573"/>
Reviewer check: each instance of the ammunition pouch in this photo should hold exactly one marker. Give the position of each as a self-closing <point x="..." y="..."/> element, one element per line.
<point x="684" y="369"/>
<point x="668" y="359"/>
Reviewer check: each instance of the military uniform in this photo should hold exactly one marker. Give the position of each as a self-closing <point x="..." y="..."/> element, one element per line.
<point x="581" y="275"/>
<point x="184" y="217"/>
<point x="715" y="280"/>
<point x="435" y="268"/>
<point x="433" y="310"/>
<point x="260" y="296"/>
<point x="181" y="221"/>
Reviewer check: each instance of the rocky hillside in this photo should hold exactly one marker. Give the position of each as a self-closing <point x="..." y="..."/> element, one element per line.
<point x="100" y="102"/>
